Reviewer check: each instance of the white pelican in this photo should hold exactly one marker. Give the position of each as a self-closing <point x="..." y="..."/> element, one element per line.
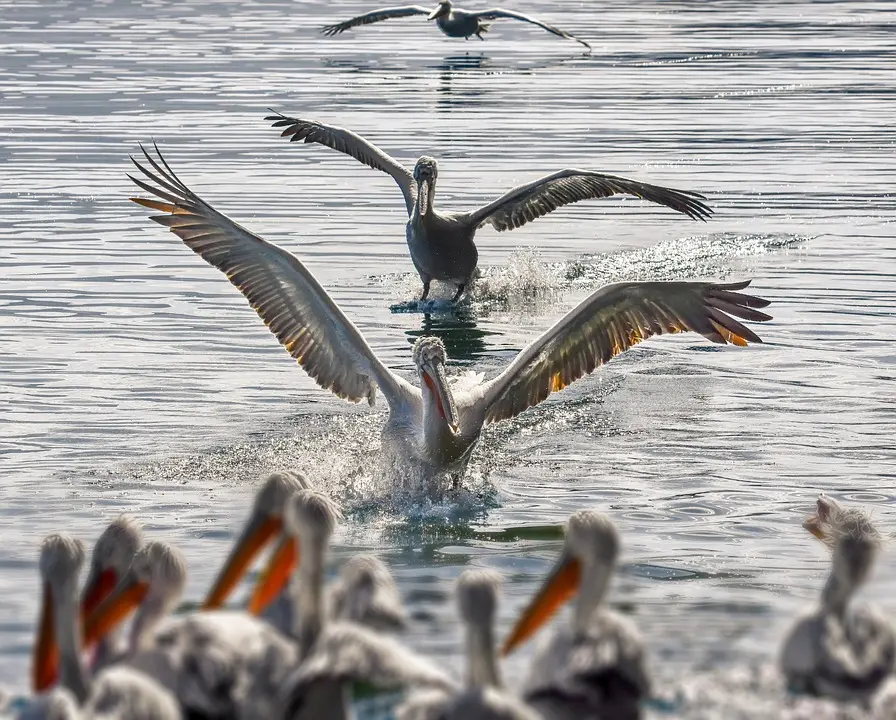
<point x="217" y="663"/>
<point x="335" y="654"/>
<point x="452" y="21"/>
<point x="116" y="692"/>
<point x="112" y="556"/>
<point x="596" y="668"/>
<point x="839" y="650"/>
<point x="483" y="698"/>
<point x="441" y="245"/>
<point x="429" y="427"/>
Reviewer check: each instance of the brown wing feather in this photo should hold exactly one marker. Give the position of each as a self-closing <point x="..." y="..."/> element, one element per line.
<point x="528" y="202"/>
<point x="609" y="322"/>
<point x="280" y="289"/>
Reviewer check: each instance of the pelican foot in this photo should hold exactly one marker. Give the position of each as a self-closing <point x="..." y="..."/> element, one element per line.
<point x="460" y="291"/>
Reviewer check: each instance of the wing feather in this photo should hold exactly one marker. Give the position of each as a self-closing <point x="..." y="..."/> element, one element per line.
<point x="497" y="13"/>
<point x="349" y="143"/>
<point x="609" y="322"/>
<point x="286" y="296"/>
<point x="540" y="197"/>
<point x="375" y="16"/>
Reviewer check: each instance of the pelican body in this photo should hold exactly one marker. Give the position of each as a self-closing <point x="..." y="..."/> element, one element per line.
<point x="452" y="21"/>
<point x="441" y="244"/>
<point x="432" y="429"/>
<point x="840" y="650"/>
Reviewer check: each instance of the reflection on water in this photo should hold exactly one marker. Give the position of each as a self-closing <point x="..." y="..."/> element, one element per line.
<point x="464" y="341"/>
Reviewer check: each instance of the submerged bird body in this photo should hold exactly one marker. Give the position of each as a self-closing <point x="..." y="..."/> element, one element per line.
<point x="452" y="21"/>
<point x="434" y="427"/>
<point x="841" y="650"/>
<point x="441" y="244"/>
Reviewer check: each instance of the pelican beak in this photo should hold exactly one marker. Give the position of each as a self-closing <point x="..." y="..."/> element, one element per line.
<point x="813" y="525"/>
<point x="275" y="576"/>
<point x="110" y="613"/>
<point x="423" y="196"/>
<point x="98" y="588"/>
<point x="46" y="651"/>
<point x="434" y="377"/>
<point x="558" y="588"/>
<point x="438" y="12"/>
<point x="259" y="531"/>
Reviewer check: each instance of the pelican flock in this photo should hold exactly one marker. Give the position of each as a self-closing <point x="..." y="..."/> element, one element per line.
<point x="452" y="21"/>
<point x="441" y="245"/>
<point x="306" y="637"/>
<point x="432" y="427"/>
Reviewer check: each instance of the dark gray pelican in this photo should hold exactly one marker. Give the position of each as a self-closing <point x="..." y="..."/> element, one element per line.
<point x="217" y="663"/>
<point x="336" y="653"/>
<point x="117" y="692"/>
<point x="430" y="428"/>
<point x="484" y="697"/>
<point x="441" y="245"/>
<point x="596" y="667"/>
<point x="839" y="650"/>
<point x="452" y="21"/>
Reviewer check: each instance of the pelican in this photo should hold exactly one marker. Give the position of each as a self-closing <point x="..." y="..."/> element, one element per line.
<point x="483" y="698"/>
<point x="334" y="654"/>
<point x="116" y="692"/>
<point x="596" y="668"/>
<point x="839" y="650"/>
<point x="430" y="428"/>
<point x="365" y="593"/>
<point x="112" y="555"/>
<point x="452" y="21"/>
<point x="217" y="663"/>
<point x="441" y="245"/>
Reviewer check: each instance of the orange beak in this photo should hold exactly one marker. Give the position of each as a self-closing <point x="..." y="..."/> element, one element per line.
<point x="813" y="525"/>
<point x="114" y="609"/>
<point x="46" y="651"/>
<point x="258" y="533"/>
<point x="98" y="591"/>
<point x="275" y="576"/>
<point x="558" y="588"/>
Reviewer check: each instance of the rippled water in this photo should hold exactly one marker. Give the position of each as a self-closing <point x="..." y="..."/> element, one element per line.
<point x="134" y="378"/>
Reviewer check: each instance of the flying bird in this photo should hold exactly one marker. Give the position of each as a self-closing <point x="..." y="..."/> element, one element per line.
<point x="441" y="244"/>
<point x="452" y="21"/>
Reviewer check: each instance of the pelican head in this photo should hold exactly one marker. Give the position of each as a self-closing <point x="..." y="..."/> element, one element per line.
<point x="585" y="566"/>
<point x="112" y="556"/>
<point x="61" y="559"/>
<point x="153" y="583"/>
<point x="426" y="172"/>
<point x="833" y="521"/>
<point x="366" y="593"/>
<point x="429" y="357"/>
<point x="477" y="596"/>
<point x="265" y="521"/>
<point x="311" y="516"/>
<point x="442" y="9"/>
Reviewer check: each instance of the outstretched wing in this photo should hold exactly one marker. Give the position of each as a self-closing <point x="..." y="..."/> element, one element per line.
<point x="375" y="16"/>
<point x="527" y="202"/>
<point x="609" y="322"/>
<point x="346" y="654"/>
<point x="345" y="141"/>
<point x="496" y="13"/>
<point x="279" y="287"/>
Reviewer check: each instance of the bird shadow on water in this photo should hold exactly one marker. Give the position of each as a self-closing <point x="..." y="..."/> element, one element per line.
<point x="457" y="329"/>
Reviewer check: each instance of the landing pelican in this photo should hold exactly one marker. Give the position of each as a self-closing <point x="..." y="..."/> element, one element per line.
<point x="441" y="245"/>
<point x="428" y="427"/>
<point x="116" y="692"/>
<point x="336" y="653"/>
<point x="597" y="667"/>
<point x="483" y="698"/>
<point x="217" y="663"/>
<point x="841" y="651"/>
<point x="452" y="21"/>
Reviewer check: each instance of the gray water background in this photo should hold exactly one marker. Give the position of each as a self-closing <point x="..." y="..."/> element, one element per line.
<point x="134" y="378"/>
